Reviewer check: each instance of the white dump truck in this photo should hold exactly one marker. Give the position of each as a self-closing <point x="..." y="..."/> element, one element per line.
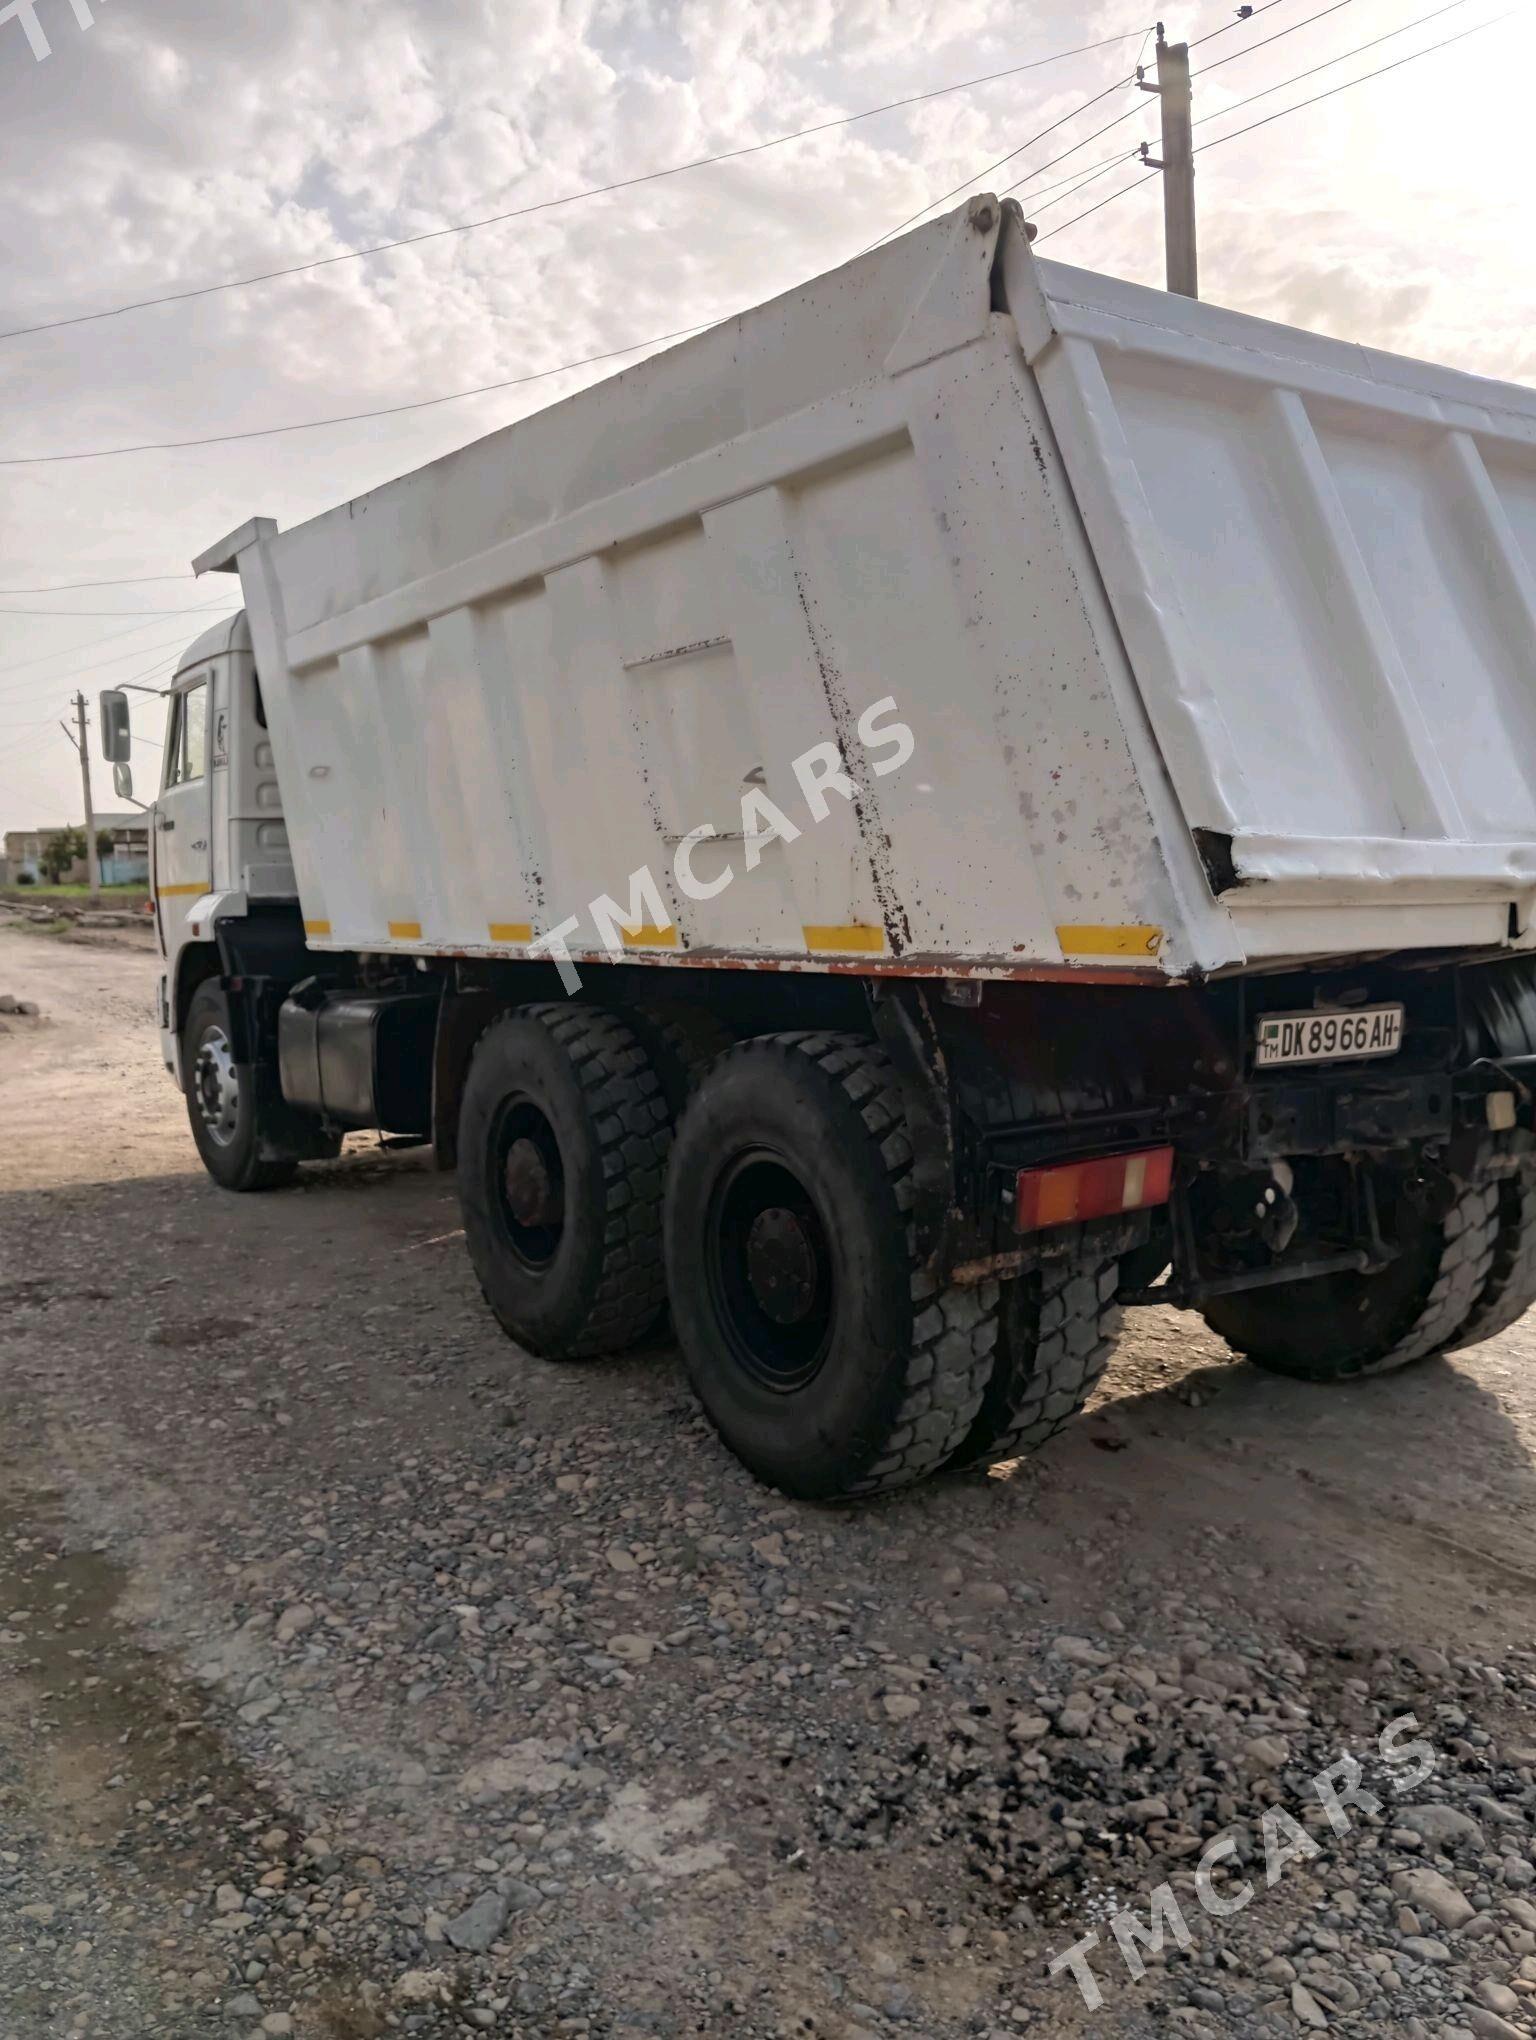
<point x="971" y="796"/>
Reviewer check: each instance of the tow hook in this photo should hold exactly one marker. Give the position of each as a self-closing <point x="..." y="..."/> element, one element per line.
<point x="1276" y="1210"/>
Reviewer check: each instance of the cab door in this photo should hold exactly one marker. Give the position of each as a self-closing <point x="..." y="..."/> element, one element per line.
<point x="183" y="831"/>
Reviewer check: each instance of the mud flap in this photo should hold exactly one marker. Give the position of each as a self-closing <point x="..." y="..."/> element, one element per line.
<point x="282" y="1134"/>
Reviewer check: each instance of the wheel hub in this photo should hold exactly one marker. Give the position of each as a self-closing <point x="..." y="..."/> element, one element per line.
<point x="527" y="1182"/>
<point x="781" y="1265"/>
<point x="771" y="1269"/>
<point x="216" y="1086"/>
<point x="533" y="1196"/>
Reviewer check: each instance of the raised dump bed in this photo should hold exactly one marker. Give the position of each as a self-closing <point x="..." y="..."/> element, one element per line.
<point x="969" y="796"/>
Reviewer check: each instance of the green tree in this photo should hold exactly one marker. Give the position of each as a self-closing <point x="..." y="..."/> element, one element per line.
<point x="103" y="842"/>
<point x="60" y="853"/>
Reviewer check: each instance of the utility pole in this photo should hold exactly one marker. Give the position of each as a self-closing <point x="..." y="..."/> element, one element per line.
<point x="1177" y="163"/>
<point x="92" y="861"/>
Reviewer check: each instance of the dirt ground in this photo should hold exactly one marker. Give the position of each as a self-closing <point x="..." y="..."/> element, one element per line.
<point x="359" y="1674"/>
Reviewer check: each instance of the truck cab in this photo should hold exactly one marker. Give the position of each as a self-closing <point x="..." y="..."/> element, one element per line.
<point x="218" y="842"/>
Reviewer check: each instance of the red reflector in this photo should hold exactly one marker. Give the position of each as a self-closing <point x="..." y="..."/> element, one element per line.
<point x="1071" y="1191"/>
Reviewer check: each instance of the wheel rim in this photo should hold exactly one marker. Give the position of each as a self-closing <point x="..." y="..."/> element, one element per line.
<point x="529" y="1183"/>
<point x="770" y="1270"/>
<point x="216" y="1087"/>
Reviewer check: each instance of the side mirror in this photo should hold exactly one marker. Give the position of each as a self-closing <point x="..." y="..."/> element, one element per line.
<point x="115" y="738"/>
<point x="122" y="781"/>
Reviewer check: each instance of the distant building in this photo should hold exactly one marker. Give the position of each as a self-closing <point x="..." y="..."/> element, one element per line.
<point x="126" y="863"/>
<point x="23" y="850"/>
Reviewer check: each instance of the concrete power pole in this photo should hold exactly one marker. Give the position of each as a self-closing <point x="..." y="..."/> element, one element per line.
<point x="92" y="861"/>
<point x="1177" y="164"/>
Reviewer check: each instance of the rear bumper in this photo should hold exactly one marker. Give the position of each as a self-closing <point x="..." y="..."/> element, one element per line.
<point x="1343" y="1114"/>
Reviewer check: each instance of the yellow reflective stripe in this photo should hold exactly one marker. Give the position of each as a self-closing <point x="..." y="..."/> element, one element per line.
<point x="857" y="935"/>
<point x="511" y="931"/>
<point x="171" y="892"/>
<point x="1109" y="940"/>
<point x="405" y="931"/>
<point x="647" y="937"/>
<point x="317" y="927"/>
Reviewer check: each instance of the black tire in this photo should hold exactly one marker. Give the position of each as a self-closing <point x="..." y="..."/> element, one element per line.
<point x="1346" y="1327"/>
<point x="1510" y="1289"/>
<point x="224" y="1099"/>
<point x="1057" y="1330"/>
<point x="831" y="1364"/>
<point x="684" y="1044"/>
<point x="563" y="1140"/>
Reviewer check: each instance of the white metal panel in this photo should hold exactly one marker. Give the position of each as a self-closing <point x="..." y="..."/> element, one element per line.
<point x="884" y="604"/>
<point x="1321" y="561"/>
<point x="753" y="548"/>
<point x="485" y="663"/>
<point x="1162" y="570"/>
<point x="496" y="722"/>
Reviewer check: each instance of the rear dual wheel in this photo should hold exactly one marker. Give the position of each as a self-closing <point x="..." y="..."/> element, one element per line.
<point x="1056" y="1332"/>
<point x="1448" y="1273"/>
<point x="829" y="1359"/>
<point x="1510" y="1288"/>
<point x="827" y="1356"/>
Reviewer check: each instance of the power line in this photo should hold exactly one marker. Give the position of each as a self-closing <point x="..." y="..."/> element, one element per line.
<point x="1104" y="163"/>
<point x="165" y="659"/>
<point x="69" y="587"/>
<point x="1134" y="112"/>
<point x="168" y="655"/>
<point x="1240" y="22"/>
<point x="1102" y="170"/>
<point x="1264" y="42"/>
<point x="82" y="672"/>
<point x="26" y="747"/>
<point x="1082" y="107"/>
<point x="1227" y="26"/>
<point x="566" y="198"/>
<point x="103" y="612"/>
<point x="1359" y="50"/>
<point x="1099" y="207"/>
<point x="111" y="637"/>
<point x="1119" y="121"/>
<point x="1333" y="91"/>
<point x="358" y="417"/>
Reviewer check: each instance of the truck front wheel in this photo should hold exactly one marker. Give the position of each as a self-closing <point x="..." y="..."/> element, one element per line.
<point x="1344" y="1327"/>
<point x="563" y="1138"/>
<point x="829" y="1361"/>
<point x="224" y="1102"/>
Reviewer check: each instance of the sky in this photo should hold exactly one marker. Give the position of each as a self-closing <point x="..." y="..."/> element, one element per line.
<point x="169" y="144"/>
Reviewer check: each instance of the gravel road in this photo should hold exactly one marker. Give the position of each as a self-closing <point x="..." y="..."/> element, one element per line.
<point x="360" y="1676"/>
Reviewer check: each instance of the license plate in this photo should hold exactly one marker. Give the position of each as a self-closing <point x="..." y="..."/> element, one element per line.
<point x="1329" y="1037"/>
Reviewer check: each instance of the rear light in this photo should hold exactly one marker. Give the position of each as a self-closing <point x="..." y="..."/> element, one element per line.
<point x="1070" y="1191"/>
